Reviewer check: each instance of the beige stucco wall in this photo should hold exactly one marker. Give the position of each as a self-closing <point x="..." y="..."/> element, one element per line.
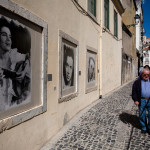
<point x="111" y="54"/>
<point x="128" y="19"/>
<point x="60" y="15"/>
<point x="126" y="43"/>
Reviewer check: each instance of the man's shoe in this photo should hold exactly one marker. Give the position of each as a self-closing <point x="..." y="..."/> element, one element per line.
<point x="143" y="131"/>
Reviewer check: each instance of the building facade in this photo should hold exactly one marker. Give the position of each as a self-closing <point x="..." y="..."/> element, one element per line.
<point x="70" y="53"/>
<point x="144" y="39"/>
<point x="65" y="81"/>
<point x="139" y="33"/>
<point x="129" y="53"/>
<point x="146" y="56"/>
<point x="139" y="26"/>
<point x="146" y="53"/>
<point x="111" y="53"/>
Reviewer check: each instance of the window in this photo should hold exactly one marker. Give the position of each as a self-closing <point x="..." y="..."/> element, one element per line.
<point x="106" y="13"/>
<point x="115" y="24"/>
<point x="92" y="7"/>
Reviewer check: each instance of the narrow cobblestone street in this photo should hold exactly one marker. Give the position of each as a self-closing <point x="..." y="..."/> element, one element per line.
<point x="110" y="124"/>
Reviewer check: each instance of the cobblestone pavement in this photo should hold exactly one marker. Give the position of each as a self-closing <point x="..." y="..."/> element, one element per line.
<point x="111" y="124"/>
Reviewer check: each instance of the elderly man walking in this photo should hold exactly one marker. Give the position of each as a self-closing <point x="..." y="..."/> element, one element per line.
<point x="141" y="97"/>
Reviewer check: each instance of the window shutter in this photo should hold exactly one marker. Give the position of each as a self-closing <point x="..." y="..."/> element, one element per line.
<point x="92" y="6"/>
<point x="115" y="24"/>
<point x="106" y="13"/>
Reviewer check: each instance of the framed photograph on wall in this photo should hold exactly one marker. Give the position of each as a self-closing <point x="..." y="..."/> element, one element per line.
<point x="68" y="67"/>
<point x="91" y="69"/>
<point x="15" y="64"/>
<point x="23" y="53"/>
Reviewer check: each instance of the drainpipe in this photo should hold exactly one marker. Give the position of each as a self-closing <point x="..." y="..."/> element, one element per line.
<point x="100" y="49"/>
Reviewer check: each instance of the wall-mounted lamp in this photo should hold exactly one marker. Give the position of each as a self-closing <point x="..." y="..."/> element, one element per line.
<point x="136" y="22"/>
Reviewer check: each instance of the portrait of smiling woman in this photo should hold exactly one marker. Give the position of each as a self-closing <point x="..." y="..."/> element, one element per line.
<point x="14" y="65"/>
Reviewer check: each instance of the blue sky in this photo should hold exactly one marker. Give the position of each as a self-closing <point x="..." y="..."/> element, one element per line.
<point x="146" y="15"/>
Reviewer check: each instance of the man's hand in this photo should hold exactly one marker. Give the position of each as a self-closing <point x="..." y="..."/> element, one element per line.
<point x="136" y="103"/>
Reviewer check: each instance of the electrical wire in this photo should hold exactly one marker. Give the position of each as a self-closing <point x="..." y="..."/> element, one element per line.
<point x="85" y="13"/>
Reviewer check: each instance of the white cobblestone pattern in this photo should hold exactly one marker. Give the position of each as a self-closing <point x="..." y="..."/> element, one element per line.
<point x="111" y="124"/>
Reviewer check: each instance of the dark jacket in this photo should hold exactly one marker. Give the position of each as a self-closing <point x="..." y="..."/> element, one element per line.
<point x="136" y="90"/>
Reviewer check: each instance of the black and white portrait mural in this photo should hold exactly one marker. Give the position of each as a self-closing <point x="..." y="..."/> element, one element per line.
<point x="68" y="66"/>
<point x="15" y="68"/>
<point x="23" y="64"/>
<point x="91" y="73"/>
<point x="91" y="69"/>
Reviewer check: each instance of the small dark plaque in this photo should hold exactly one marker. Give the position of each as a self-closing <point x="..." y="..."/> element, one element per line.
<point x="49" y="77"/>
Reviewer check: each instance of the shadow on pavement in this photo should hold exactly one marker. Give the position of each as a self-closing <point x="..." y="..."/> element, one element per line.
<point x="130" y="119"/>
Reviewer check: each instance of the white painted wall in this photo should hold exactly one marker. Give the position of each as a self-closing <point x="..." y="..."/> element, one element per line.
<point x="139" y="26"/>
<point x="111" y="54"/>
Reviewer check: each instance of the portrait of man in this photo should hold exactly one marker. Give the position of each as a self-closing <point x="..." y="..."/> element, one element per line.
<point x="91" y="69"/>
<point x="15" y="70"/>
<point x="68" y="67"/>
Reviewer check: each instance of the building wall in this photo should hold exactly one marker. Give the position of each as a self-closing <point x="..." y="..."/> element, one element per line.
<point x="144" y="39"/>
<point x="126" y="17"/>
<point x="148" y="40"/>
<point x="134" y="51"/>
<point x="139" y="26"/>
<point x="126" y="58"/>
<point x="111" y="53"/>
<point x="139" y="33"/>
<point x="130" y="70"/>
<point x="126" y="43"/>
<point x="63" y="15"/>
<point x="146" y="57"/>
